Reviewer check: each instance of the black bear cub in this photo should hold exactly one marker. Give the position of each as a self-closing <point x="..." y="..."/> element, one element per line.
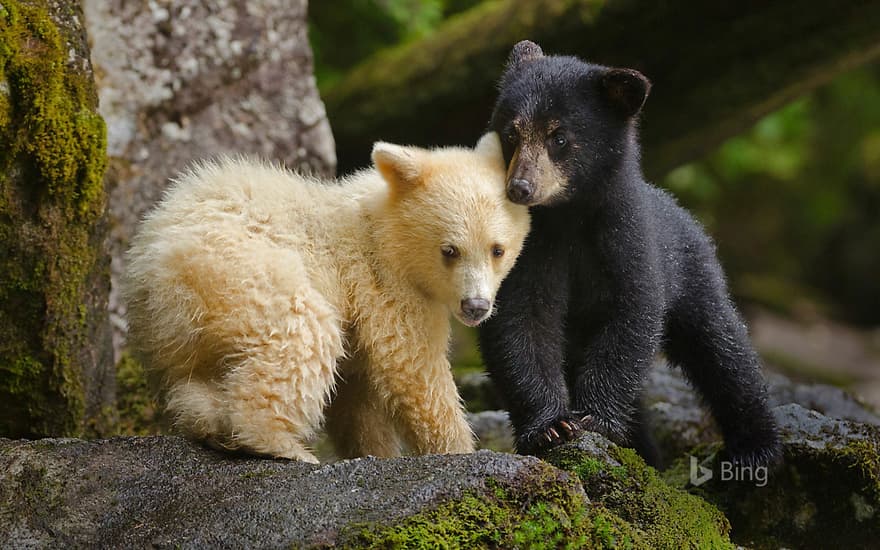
<point x="613" y="272"/>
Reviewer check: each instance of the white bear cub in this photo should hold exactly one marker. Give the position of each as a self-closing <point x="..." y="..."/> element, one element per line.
<point x="263" y="302"/>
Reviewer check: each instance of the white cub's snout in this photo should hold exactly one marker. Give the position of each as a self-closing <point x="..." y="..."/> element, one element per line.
<point x="475" y="310"/>
<point x="477" y="293"/>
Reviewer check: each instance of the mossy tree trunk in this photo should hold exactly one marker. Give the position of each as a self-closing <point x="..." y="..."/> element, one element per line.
<point x="716" y="67"/>
<point x="56" y="374"/>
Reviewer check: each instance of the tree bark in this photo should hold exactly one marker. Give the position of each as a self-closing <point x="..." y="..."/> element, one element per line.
<point x="174" y="92"/>
<point x="717" y="67"/>
<point x="56" y="373"/>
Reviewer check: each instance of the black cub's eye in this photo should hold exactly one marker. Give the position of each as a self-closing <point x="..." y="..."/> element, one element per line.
<point x="497" y="251"/>
<point x="449" y="251"/>
<point x="510" y="136"/>
<point x="559" y="140"/>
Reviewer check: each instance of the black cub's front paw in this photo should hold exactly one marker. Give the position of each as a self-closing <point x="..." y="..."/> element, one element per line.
<point x="615" y="431"/>
<point x="561" y="429"/>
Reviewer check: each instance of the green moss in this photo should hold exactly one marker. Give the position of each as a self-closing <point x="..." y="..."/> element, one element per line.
<point x="24" y="370"/>
<point x="666" y="516"/>
<point x="544" y="515"/>
<point x="589" y="467"/>
<point x="51" y="205"/>
<point x="138" y="413"/>
<point x="466" y="523"/>
<point x="613" y="532"/>
<point x="863" y="456"/>
<point x="646" y="500"/>
<point x="677" y="474"/>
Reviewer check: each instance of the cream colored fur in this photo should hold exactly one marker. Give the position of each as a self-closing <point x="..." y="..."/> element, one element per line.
<point x="252" y="290"/>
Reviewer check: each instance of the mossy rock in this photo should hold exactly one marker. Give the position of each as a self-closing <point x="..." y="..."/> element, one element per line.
<point x="543" y="511"/>
<point x="617" y="480"/>
<point x="826" y="490"/>
<point x="168" y="492"/>
<point x="628" y="505"/>
<point x="171" y="493"/>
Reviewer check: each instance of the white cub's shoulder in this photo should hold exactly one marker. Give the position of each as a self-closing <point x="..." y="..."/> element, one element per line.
<point x="257" y="191"/>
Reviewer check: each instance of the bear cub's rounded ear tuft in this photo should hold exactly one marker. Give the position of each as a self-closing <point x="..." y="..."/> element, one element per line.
<point x="398" y="165"/>
<point x="626" y="90"/>
<point x="524" y="51"/>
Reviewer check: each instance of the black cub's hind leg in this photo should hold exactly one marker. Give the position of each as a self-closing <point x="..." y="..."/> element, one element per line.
<point x="713" y="349"/>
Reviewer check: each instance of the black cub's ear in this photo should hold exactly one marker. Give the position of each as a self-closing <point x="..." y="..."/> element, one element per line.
<point x="524" y="51"/>
<point x="626" y="90"/>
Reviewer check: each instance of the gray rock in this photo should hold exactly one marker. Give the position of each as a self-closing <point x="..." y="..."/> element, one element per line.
<point x="827" y="489"/>
<point x="675" y="415"/>
<point x="591" y="445"/>
<point x="493" y="430"/>
<point x="809" y="428"/>
<point x="828" y="400"/>
<point x="166" y="492"/>
<point x="680" y="422"/>
<point x="181" y="81"/>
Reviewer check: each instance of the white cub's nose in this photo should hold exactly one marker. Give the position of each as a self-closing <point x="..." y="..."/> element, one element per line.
<point x="475" y="309"/>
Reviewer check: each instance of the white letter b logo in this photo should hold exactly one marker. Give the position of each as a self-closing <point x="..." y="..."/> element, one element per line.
<point x="699" y="473"/>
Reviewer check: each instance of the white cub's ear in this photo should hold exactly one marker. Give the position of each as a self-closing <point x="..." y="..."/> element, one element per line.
<point x="490" y="146"/>
<point x="400" y="166"/>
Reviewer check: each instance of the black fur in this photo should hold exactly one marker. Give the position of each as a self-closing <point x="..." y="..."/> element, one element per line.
<point x="613" y="272"/>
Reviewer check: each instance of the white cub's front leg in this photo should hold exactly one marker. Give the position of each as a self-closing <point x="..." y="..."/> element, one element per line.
<point x="409" y="369"/>
<point x="425" y="406"/>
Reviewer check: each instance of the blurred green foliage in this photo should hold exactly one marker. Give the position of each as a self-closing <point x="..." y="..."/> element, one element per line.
<point x="344" y="33"/>
<point x="794" y="203"/>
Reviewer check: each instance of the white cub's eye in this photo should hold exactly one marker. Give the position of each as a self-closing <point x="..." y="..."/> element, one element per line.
<point x="449" y="251"/>
<point x="498" y="251"/>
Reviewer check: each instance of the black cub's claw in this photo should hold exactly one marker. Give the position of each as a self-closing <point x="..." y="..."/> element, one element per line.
<point x="556" y="432"/>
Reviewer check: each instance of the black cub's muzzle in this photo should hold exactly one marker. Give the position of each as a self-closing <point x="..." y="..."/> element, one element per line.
<point x="520" y="191"/>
